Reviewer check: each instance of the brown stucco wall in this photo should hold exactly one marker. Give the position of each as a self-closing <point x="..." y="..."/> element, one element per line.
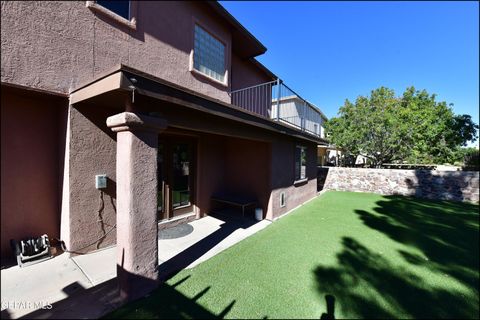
<point x="211" y="169"/>
<point x="91" y="213"/>
<point x="56" y="34"/>
<point x="31" y="166"/>
<point x="246" y="74"/>
<point x="247" y="169"/>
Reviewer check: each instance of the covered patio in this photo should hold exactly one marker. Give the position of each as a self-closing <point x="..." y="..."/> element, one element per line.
<point x="65" y="281"/>
<point x="166" y="152"/>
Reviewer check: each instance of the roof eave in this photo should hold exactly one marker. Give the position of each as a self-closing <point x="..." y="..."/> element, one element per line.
<point x="250" y="46"/>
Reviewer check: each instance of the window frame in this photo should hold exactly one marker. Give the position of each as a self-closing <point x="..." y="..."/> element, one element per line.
<point x="226" y="56"/>
<point x="131" y="22"/>
<point x="283" y="199"/>
<point x="300" y="179"/>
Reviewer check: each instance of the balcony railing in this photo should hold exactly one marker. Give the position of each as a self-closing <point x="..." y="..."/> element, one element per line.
<point x="276" y="101"/>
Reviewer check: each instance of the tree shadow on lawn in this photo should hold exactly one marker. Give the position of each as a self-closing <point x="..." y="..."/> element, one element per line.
<point x="368" y="285"/>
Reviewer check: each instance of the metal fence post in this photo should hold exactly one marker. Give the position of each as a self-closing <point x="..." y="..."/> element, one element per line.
<point x="278" y="99"/>
<point x="302" y="119"/>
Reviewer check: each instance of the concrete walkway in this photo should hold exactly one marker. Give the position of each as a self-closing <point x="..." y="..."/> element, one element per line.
<point x="84" y="286"/>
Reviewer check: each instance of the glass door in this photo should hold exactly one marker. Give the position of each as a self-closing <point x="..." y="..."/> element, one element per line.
<point x="175" y="176"/>
<point x="181" y="190"/>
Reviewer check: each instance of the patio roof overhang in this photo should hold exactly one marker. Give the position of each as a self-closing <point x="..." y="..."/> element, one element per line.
<point x="116" y="87"/>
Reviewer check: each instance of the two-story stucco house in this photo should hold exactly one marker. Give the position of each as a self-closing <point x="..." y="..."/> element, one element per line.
<point x="142" y="93"/>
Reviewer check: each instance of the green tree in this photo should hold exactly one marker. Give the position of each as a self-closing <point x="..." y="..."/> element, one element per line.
<point x="412" y="128"/>
<point x="468" y="158"/>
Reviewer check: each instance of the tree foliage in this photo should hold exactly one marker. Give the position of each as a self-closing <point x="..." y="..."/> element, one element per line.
<point x="468" y="158"/>
<point x="413" y="128"/>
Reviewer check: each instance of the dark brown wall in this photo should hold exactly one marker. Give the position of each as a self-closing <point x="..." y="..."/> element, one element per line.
<point x="31" y="167"/>
<point x="246" y="74"/>
<point x="247" y="169"/>
<point x="283" y="175"/>
<point x="211" y="166"/>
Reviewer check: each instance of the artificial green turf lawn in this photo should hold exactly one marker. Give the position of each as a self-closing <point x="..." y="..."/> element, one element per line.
<point x="378" y="256"/>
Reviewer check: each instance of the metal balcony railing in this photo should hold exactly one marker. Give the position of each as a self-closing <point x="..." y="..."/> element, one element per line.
<point x="276" y="101"/>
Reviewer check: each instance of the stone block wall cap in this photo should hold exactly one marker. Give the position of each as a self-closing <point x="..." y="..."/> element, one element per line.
<point x="128" y="121"/>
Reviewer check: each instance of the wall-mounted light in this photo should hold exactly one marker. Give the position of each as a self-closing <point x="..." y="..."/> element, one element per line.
<point x="132" y="87"/>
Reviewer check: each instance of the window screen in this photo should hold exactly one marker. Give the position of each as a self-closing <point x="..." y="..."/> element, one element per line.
<point x="209" y="55"/>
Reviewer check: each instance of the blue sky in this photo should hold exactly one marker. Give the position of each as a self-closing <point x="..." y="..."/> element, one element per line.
<point x="330" y="51"/>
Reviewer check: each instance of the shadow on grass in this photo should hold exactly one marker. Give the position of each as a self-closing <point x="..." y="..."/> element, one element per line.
<point x="168" y="303"/>
<point x="447" y="234"/>
<point x="183" y="259"/>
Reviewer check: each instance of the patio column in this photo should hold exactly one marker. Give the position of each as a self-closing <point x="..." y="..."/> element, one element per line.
<point x="137" y="243"/>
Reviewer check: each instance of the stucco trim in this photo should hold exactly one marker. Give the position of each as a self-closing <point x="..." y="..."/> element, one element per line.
<point x="201" y="74"/>
<point x="110" y="83"/>
<point x="128" y="121"/>
<point x="65" y="206"/>
<point x="132" y="23"/>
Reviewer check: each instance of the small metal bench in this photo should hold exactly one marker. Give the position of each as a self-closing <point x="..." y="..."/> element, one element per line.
<point x="235" y="200"/>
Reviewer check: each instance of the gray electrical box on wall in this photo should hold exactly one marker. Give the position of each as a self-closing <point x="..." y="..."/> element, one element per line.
<point x="101" y="181"/>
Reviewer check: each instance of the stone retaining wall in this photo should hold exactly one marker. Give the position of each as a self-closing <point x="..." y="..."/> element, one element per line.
<point x="430" y="184"/>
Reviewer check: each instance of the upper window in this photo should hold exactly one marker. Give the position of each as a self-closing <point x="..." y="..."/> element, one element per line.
<point x="300" y="163"/>
<point x="123" y="12"/>
<point x="122" y="8"/>
<point x="208" y="55"/>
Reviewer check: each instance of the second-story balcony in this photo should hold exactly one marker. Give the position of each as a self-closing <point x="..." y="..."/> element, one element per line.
<point x="275" y="100"/>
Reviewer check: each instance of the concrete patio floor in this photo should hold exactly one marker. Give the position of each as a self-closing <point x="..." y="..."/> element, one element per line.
<point x="84" y="286"/>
